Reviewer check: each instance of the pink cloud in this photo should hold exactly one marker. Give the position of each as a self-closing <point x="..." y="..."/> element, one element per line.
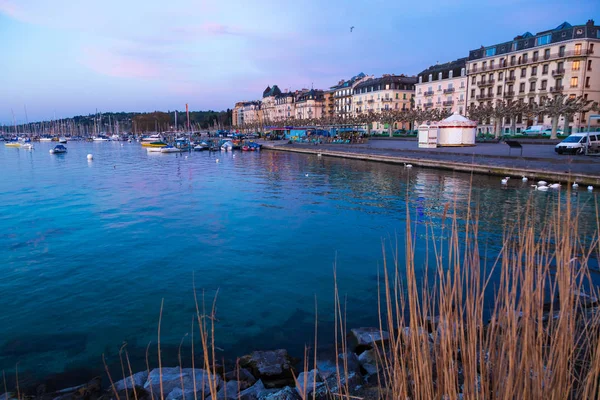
<point x="10" y="9"/>
<point x="118" y="65"/>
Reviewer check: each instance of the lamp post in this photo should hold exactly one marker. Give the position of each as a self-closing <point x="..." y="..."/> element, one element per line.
<point x="590" y="118"/>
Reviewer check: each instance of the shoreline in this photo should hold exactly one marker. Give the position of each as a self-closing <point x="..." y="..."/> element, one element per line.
<point x="531" y="173"/>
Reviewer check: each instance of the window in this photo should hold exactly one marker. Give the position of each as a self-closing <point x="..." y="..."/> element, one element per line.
<point x="558" y="83"/>
<point x="525" y="57"/>
<point x="545" y="69"/>
<point x="575" y="65"/>
<point x="489" y="52"/>
<point x="420" y="79"/>
<point x="440" y="76"/>
<point x="522" y="87"/>
<point x="587" y="82"/>
<point x="578" y="49"/>
<point x="589" y="68"/>
<point x="502" y="63"/>
<point x="500" y="76"/>
<point x="532" y="86"/>
<point x="404" y="96"/>
<point x="513" y="60"/>
<point x="462" y="84"/>
<point x="535" y="55"/>
<point x="396" y="96"/>
<point x="484" y="65"/>
<point x="450" y="73"/>
<point x="546" y="54"/>
<point x="574" y="81"/>
<point x="462" y="96"/>
<point x="430" y="77"/>
<point x="523" y="72"/>
<point x="499" y="90"/>
<point x="561" y="51"/>
<point x="473" y="80"/>
<point x="460" y="110"/>
<point x="462" y="72"/>
<point x="492" y="64"/>
<point x="544" y="84"/>
<point x="542" y="40"/>
<point x="472" y="93"/>
<point x="439" y="87"/>
<point x="491" y="77"/>
<point x="533" y="71"/>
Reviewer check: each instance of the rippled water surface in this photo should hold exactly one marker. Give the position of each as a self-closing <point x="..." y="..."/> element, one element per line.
<point x="89" y="249"/>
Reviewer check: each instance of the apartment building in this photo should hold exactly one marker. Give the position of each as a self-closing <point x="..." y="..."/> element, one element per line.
<point x="251" y="113"/>
<point x="285" y="106"/>
<point x="310" y="104"/>
<point x="343" y="92"/>
<point x="270" y="95"/>
<point x="329" y="103"/>
<point x="237" y="114"/>
<point x="531" y="68"/>
<point x="388" y="92"/>
<point x="443" y="86"/>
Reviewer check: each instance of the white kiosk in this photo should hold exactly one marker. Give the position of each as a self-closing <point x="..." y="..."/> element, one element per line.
<point x="428" y="136"/>
<point x="456" y="130"/>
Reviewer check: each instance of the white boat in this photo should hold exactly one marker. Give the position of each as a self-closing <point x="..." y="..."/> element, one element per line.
<point x="62" y="140"/>
<point x="170" y="149"/>
<point x="46" y="139"/>
<point x="115" y="137"/>
<point x="100" y="138"/>
<point x="227" y="146"/>
<point x="153" y="149"/>
<point x="27" y="146"/>
<point x="58" y="149"/>
<point x="152" y="138"/>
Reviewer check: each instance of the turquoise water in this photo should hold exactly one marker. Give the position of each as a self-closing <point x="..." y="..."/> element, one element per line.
<point x="90" y="249"/>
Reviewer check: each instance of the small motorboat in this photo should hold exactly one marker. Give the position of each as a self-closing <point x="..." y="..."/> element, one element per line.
<point x="58" y="149"/>
<point x="27" y="146"/>
<point x="13" y="143"/>
<point x="245" y="148"/>
<point x="62" y="140"/>
<point x="45" y="139"/>
<point x="227" y="146"/>
<point x="101" y="138"/>
<point x="201" y="146"/>
<point x="153" y="149"/>
<point x="171" y="149"/>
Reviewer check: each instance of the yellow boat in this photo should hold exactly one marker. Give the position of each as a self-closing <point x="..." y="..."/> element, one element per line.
<point x="153" y="144"/>
<point x="12" y="144"/>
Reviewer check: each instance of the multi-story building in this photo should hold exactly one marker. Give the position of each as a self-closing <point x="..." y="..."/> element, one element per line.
<point x="443" y="86"/>
<point x="388" y="92"/>
<point x="251" y="112"/>
<point x="237" y="114"/>
<point x="268" y="103"/>
<point x="531" y="68"/>
<point x="285" y="106"/>
<point x="310" y="104"/>
<point x="329" y="103"/>
<point x="342" y="94"/>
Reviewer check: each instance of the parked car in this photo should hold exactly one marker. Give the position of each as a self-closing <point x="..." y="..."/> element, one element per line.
<point x="577" y="142"/>
<point x="549" y="131"/>
<point x="536" y="130"/>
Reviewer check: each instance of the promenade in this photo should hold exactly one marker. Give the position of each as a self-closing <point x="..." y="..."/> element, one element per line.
<point x="539" y="161"/>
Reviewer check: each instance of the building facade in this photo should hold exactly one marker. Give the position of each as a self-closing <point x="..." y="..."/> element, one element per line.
<point x="237" y="114"/>
<point x="342" y="95"/>
<point x="443" y="86"/>
<point x="531" y="68"/>
<point x="285" y="106"/>
<point x="329" y="103"/>
<point x="390" y="92"/>
<point x="270" y="95"/>
<point x="251" y="113"/>
<point x="310" y="104"/>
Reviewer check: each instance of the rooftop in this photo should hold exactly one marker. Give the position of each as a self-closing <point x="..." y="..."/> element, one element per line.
<point x="385" y="79"/>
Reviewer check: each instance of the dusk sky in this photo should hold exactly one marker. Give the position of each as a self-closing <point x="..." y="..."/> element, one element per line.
<point x="70" y="57"/>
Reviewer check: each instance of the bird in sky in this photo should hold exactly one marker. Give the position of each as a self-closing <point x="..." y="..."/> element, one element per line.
<point x="351" y="29"/>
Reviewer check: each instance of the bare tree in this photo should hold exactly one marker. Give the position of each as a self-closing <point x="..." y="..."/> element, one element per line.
<point x="561" y="105"/>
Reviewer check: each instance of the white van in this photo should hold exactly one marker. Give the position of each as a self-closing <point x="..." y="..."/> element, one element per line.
<point x="535" y="129"/>
<point x="576" y="143"/>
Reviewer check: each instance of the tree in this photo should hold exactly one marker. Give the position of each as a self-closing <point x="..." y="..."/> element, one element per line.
<point x="367" y="118"/>
<point x="561" y="105"/>
<point x="388" y="117"/>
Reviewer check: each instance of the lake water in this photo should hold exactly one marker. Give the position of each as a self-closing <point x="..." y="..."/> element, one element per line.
<point x="89" y="249"/>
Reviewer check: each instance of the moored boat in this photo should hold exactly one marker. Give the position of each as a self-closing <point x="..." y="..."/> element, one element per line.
<point x="154" y="144"/>
<point x="101" y="138"/>
<point x="45" y="139"/>
<point x="62" y="140"/>
<point x="13" y="143"/>
<point x="58" y="149"/>
<point x="201" y="146"/>
<point x="27" y="146"/>
<point x="171" y="149"/>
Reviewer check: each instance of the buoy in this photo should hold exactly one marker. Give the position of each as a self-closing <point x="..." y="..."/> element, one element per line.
<point x="525" y="179"/>
<point x="575" y="185"/>
<point x="90" y="157"/>
<point x="542" y="183"/>
<point x="590" y="188"/>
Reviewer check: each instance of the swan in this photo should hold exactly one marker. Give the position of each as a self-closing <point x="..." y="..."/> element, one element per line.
<point x="542" y="183"/>
<point x="306" y="175"/>
<point x="554" y="186"/>
<point x="504" y="181"/>
<point x="590" y="188"/>
<point x="319" y="155"/>
<point x="575" y="185"/>
<point x="407" y="165"/>
<point x="217" y="160"/>
<point x="541" y="188"/>
<point x="525" y="179"/>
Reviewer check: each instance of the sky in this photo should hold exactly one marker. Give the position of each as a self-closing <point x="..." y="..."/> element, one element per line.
<point x="61" y="58"/>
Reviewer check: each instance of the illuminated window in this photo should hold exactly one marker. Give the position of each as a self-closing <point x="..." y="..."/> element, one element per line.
<point x="574" y="82"/>
<point x="576" y="65"/>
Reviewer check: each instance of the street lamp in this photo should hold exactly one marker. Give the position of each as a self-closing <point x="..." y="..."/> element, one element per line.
<point x="590" y="118"/>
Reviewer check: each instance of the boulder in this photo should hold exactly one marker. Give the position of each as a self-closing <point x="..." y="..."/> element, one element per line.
<point x="229" y="391"/>
<point x="138" y="380"/>
<point x="310" y="379"/>
<point x="256" y="392"/>
<point x="174" y="378"/>
<point x="8" y="396"/>
<point x="354" y="381"/>
<point x="363" y="339"/>
<point x="326" y="364"/>
<point x="273" y="367"/>
<point x="370" y="362"/>
<point x="287" y="393"/>
<point x="242" y="375"/>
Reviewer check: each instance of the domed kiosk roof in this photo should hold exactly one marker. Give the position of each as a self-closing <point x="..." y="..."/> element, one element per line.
<point x="457" y="121"/>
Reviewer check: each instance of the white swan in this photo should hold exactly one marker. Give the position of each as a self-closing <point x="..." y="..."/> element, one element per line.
<point x="319" y="155"/>
<point x="504" y="181"/>
<point x="590" y="188"/>
<point x="542" y="183"/>
<point x="554" y="186"/>
<point x="525" y="179"/>
<point x="306" y="175"/>
<point x="575" y="185"/>
<point x="407" y="165"/>
<point x="542" y="188"/>
<point x="217" y="160"/>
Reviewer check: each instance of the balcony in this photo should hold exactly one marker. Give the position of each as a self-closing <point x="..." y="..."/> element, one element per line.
<point x="558" y="72"/>
<point x="556" y="89"/>
<point x="428" y="105"/>
<point x="510" y="78"/>
<point x="359" y="102"/>
<point x="370" y="101"/>
<point x="543" y="89"/>
<point x="448" y="103"/>
<point x="387" y="100"/>
<point x="533" y="60"/>
<point x="483" y="97"/>
<point x="509" y="94"/>
<point x="449" y="90"/>
<point x="483" y="83"/>
<point x="428" y="93"/>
